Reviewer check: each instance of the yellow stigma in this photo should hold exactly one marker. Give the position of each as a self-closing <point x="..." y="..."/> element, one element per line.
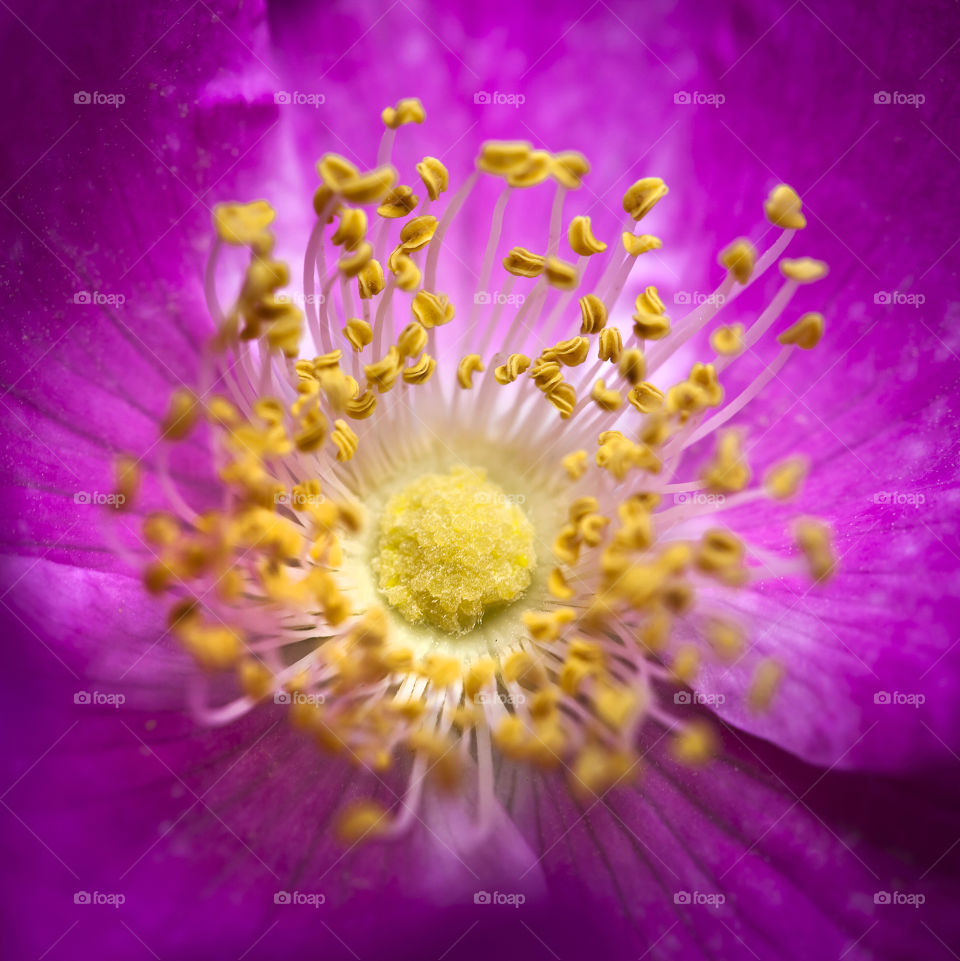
<point x="452" y="546"/>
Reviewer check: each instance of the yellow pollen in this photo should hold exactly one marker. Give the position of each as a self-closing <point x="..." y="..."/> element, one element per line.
<point x="452" y="546"/>
<point x="635" y="244"/>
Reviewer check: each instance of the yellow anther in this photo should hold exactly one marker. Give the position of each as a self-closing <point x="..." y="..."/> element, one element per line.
<point x="507" y="373"/>
<point x="126" y="471"/>
<point x="352" y="264"/>
<point x="764" y="684"/>
<point x="313" y="433"/>
<point x="478" y="676"/>
<point x="596" y="770"/>
<point x="804" y="270"/>
<point x="593" y="314"/>
<point x="335" y="170"/>
<point x="370" y="280"/>
<point x="805" y="333"/>
<point x="615" y="705"/>
<point x="696" y="744"/>
<point x="181" y="416"/>
<point x="511" y="737"/>
<point x="633" y="365"/>
<point x="322" y="198"/>
<point x="537" y="168"/>
<point x="684" y="400"/>
<point x="784" y="209"/>
<point x="576" y="464"/>
<point x="222" y="412"/>
<point x="704" y="377"/>
<point x="327" y="361"/>
<point x="571" y="353"/>
<point x="255" y="678"/>
<point x="635" y="244"/>
<point x="727" y="341"/>
<point x="639" y="200"/>
<point x="351" y="229"/>
<point x="242" y="224"/>
<point x="384" y="372"/>
<point x="503" y="156"/>
<point x="358" y="332"/>
<point x="581" y="507"/>
<point x="651" y="326"/>
<point x="546" y="374"/>
<point x="726" y="638"/>
<point x="338" y="387"/>
<point x="619" y="455"/>
<point x="558" y="586"/>
<point x="560" y="274"/>
<point x="344" y="439"/>
<point x="606" y="398"/>
<point x="399" y="201"/>
<point x="361" y="821"/>
<point x="369" y="187"/>
<point x="418" y="232"/>
<point x="412" y="339"/>
<point x="739" y="258"/>
<point x="611" y="344"/>
<point x="545" y="626"/>
<point x="783" y="480"/>
<point x="434" y="176"/>
<point x="813" y="538"/>
<point x="646" y="398"/>
<point x="523" y="263"/>
<point x="566" y="545"/>
<point x="569" y="168"/>
<point x="728" y="472"/>
<point x="521" y="668"/>
<point x="582" y="240"/>
<point x="284" y="333"/>
<point x="719" y="551"/>
<point x="362" y="407"/>
<point x="591" y="528"/>
<point x="421" y="371"/>
<point x="469" y="365"/>
<point x="404" y="269"/>
<point x="432" y="310"/>
<point x="161" y="529"/>
<point x="407" y="110"/>
<point x="564" y="398"/>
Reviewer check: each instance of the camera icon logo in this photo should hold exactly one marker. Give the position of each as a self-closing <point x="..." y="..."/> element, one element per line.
<point x="281" y="697"/>
<point x="881" y="96"/>
<point x="81" y="697"/>
<point x="681" y="297"/>
<point x="481" y="298"/>
<point x="881" y="897"/>
<point x="81" y="96"/>
<point x="681" y="697"/>
<point x="281" y="897"/>
<point x="281" y="97"/>
<point x="82" y="297"/>
<point x="81" y="497"/>
<point x="481" y="96"/>
<point x="681" y="897"/>
<point x="881" y="697"/>
<point x="681" y="97"/>
<point x="481" y="897"/>
<point x="81" y="897"/>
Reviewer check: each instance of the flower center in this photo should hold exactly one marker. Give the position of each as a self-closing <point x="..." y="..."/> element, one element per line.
<point x="452" y="546"/>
